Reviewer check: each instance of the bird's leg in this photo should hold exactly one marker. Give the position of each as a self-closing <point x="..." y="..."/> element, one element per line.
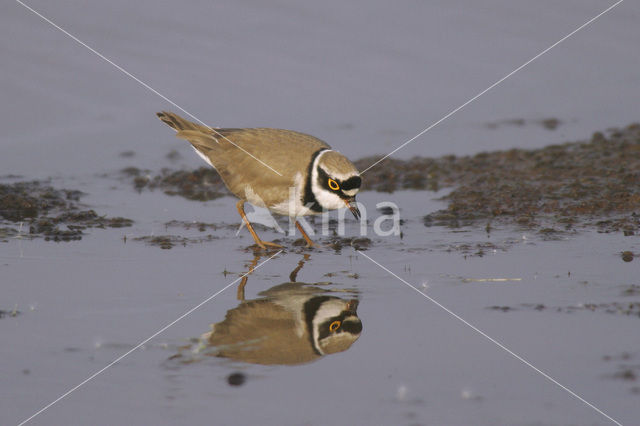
<point x="245" y="278"/>
<point x="262" y="244"/>
<point x="293" y="276"/>
<point x="304" y="235"/>
<point x="240" y="292"/>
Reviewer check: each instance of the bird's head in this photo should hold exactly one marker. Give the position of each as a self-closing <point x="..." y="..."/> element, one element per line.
<point x="335" y="181"/>
<point x="335" y="324"/>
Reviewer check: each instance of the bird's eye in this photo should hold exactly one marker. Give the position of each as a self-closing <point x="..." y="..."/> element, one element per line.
<point x="334" y="326"/>
<point x="333" y="185"/>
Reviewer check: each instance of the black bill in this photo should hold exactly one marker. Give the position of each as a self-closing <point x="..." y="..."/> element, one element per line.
<point x="353" y="207"/>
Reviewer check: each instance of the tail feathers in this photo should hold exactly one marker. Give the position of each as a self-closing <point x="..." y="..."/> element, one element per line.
<point x="196" y="137"/>
<point x="203" y="144"/>
<point x="179" y="124"/>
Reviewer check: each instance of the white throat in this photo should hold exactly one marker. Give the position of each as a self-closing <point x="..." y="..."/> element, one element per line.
<point x="329" y="309"/>
<point x="327" y="200"/>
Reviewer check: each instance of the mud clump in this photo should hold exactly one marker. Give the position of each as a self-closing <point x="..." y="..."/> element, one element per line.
<point x="620" y="308"/>
<point x="337" y="243"/>
<point x="593" y="183"/>
<point x="478" y="249"/>
<point x="627" y="256"/>
<point x="626" y="369"/>
<point x="48" y="212"/>
<point x="547" y="123"/>
<point x="501" y="308"/>
<point x="76" y="223"/>
<point x="167" y="242"/>
<point x="202" y="184"/>
<point x="199" y="226"/>
<point x="27" y="200"/>
<point x="12" y="313"/>
<point x="185" y="233"/>
<point x="236" y="379"/>
<point x="632" y="290"/>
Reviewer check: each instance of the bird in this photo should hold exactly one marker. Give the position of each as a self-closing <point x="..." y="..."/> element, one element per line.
<point x="287" y="172"/>
<point x="290" y="324"/>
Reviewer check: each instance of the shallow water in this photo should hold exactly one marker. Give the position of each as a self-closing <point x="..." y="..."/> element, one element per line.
<point x="365" y="77"/>
<point x="83" y="304"/>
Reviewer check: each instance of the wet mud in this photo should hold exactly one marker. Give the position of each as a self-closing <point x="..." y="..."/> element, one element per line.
<point x="547" y="123"/>
<point x="626" y="367"/>
<point x="619" y="307"/>
<point x="10" y="314"/>
<point x="591" y="184"/>
<point x="202" y="184"/>
<point x="179" y="233"/>
<point x="36" y="209"/>
<point x="184" y="233"/>
<point x="167" y="242"/>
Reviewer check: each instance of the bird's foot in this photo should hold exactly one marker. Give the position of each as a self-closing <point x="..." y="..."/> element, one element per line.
<point x="264" y="244"/>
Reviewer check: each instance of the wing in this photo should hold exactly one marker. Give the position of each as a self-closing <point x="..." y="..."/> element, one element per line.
<point x="247" y="156"/>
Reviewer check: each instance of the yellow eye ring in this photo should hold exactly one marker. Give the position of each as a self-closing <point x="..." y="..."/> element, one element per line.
<point x="334" y="326"/>
<point x="333" y="185"/>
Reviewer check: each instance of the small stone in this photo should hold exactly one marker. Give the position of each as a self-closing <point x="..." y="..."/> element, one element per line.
<point x="236" y="379"/>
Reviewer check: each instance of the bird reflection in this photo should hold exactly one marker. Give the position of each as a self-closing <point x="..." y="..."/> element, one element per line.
<point x="289" y="324"/>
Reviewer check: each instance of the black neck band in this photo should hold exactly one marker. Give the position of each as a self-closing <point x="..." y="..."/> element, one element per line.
<point x="309" y="199"/>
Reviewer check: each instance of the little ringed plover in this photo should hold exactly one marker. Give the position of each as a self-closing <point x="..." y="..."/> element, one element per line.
<point x="311" y="176"/>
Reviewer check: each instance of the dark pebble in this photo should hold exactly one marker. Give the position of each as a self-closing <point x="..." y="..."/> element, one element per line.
<point x="236" y="379"/>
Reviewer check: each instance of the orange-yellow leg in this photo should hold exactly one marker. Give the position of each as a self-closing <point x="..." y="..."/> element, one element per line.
<point x="262" y="244"/>
<point x="293" y="276"/>
<point x="240" y="293"/>
<point x="305" y="236"/>
<point x="245" y="278"/>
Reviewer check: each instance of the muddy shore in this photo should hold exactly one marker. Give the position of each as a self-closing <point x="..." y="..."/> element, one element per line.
<point x="36" y="209"/>
<point x="591" y="183"/>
